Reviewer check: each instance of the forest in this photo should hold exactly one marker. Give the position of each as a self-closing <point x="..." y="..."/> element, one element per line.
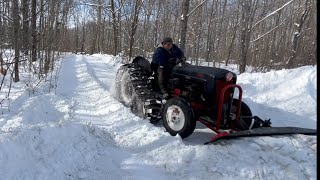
<point x="263" y="34"/>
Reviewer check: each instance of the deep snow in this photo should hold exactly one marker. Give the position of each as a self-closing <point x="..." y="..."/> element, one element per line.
<point x="82" y="132"/>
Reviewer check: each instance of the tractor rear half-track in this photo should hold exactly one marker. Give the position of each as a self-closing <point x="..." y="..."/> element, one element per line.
<point x="134" y="90"/>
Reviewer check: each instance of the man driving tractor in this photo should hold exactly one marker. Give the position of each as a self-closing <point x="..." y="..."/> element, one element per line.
<point x="165" y="57"/>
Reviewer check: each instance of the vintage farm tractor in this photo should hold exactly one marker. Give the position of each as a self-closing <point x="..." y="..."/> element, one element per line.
<point x="197" y="93"/>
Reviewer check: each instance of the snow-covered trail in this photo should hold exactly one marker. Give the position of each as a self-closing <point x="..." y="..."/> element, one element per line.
<point x="82" y="132"/>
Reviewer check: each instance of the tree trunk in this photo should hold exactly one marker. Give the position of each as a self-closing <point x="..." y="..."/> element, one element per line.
<point x="210" y="34"/>
<point x="184" y="24"/>
<point x="34" y="30"/>
<point x="234" y="34"/>
<point x="115" y="28"/>
<point x="25" y="22"/>
<point x="16" y="27"/>
<point x="134" y="24"/>
<point x="222" y="21"/>
<point x="99" y="27"/>
<point x="248" y="11"/>
<point x="296" y="36"/>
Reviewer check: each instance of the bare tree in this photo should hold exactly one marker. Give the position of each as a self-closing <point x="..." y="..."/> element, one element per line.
<point x="234" y="27"/>
<point x="115" y="28"/>
<point x="299" y="24"/>
<point x="134" y="23"/>
<point x="248" y="11"/>
<point x="184" y="24"/>
<point x="16" y="27"/>
<point x="25" y="27"/>
<point x="34" y="30"/>
<point x="262" y="34"/>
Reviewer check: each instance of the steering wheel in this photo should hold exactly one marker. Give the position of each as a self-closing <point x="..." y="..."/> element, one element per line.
<point x="177" y="61"/>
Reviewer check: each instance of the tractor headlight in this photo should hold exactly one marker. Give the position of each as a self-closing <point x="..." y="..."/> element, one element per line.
<point x="229" y="76"/>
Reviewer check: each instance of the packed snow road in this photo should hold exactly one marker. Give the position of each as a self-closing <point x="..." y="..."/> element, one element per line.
<point x="82" y="132"/>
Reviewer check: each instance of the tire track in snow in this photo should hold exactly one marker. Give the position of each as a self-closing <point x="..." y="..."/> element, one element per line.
<point x="91" y="72"/>
<point x="96" y="106"/>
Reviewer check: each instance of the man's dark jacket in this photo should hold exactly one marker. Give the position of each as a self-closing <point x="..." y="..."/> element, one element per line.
<point x="161" y="57"/>
<point x="161" y="66"/>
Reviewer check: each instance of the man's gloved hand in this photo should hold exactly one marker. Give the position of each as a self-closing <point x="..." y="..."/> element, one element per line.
<point x="183" y="59"/>
<point x="173" y="60"/>
<point x="165" y="96"/>
<point x="176" y="60"/>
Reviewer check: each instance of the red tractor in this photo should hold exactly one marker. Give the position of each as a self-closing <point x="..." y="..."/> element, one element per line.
<point x="197" y="93"/>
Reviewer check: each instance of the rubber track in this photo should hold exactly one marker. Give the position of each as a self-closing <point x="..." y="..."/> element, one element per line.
<point x="143" y="89"/>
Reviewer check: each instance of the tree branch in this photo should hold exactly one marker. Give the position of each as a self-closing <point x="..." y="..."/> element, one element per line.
<point x="6" y="17"/>
<point x="196" y="7"/>
<point x="271" y="14"/>
<point x="268" y="31"/>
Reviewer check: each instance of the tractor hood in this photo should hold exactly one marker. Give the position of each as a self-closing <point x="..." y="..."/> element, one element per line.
<point x="202" y="71"/>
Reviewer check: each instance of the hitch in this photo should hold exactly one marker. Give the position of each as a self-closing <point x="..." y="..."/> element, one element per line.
<point x="262" y="123"/>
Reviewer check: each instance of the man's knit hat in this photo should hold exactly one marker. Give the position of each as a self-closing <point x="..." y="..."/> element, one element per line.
<point x="166" y="39"/>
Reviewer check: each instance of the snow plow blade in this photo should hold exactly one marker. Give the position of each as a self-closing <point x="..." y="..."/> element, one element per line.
<point x="264" y="131"/>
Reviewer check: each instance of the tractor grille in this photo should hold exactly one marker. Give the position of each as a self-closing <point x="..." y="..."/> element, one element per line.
<point x="220" y="84"/>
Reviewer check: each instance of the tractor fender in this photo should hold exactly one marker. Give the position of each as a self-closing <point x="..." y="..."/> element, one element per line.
<point x="142" y="62"/>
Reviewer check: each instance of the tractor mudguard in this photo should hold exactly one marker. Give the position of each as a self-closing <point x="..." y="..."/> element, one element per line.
<point x="264" y="131"/>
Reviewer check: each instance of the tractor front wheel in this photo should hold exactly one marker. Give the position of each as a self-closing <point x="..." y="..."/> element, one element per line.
<point x="245" y="118"/>
<point x="178" y="117"/>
